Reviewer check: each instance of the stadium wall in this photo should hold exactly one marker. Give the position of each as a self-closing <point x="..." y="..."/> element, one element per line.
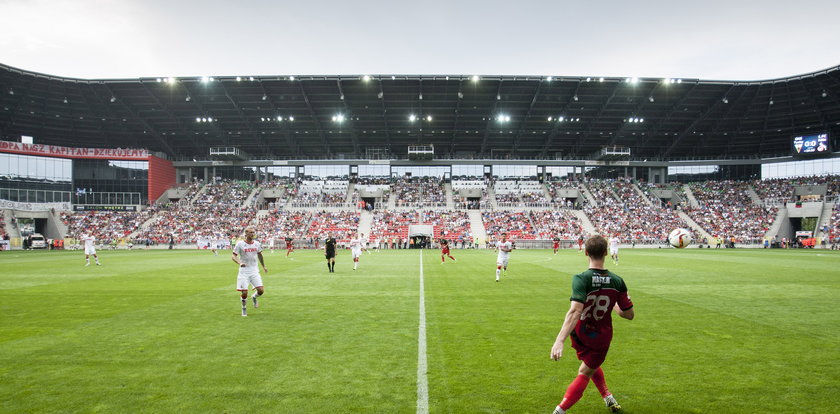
<point x="161" y="176"/>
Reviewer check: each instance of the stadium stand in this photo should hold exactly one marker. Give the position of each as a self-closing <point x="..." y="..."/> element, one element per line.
<point x="419" y="192"/>
<point x="624" y="213"/>
<point x="450" y="225"/>
<point x="517" y="224"/>
<point x="106" y="226"/>
<point x="727" y="211"/>
<point x="392" y="226"/>
<point x="549" y="224"/>
<point x="343" y="225"/>
<point x="279" y="224"/>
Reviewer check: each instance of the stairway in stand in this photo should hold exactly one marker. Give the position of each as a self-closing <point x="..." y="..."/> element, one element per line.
<point x="477" y="226"/>
<point x="365" y="222"/>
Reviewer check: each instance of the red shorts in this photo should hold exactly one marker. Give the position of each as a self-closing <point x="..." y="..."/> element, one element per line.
<point x="593" y="358"/>
<point x="556" y="245"/>
<point x="444" y="250"/>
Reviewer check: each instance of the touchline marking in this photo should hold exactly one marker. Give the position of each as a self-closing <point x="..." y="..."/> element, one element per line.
<point x="422" y="377"/>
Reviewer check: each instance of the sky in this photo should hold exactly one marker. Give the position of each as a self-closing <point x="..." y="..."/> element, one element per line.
<point x="710" y="40"/>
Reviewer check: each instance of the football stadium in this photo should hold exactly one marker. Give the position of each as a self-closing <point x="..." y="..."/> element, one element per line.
<point x="457" y="213"/>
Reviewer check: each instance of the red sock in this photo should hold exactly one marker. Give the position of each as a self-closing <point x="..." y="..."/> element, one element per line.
<point x="574" y="392"/>
<point x="600" y="382"/>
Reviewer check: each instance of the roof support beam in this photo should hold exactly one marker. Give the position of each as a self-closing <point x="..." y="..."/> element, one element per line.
<point x="490" y="121"/>
<point x="145" y="124"/>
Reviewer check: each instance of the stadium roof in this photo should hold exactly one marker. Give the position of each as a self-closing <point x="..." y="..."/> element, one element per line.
<point x="316" y="117"/>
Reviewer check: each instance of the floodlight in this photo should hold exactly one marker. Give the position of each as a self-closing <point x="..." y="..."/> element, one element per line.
<point x="475" y="78"/>
<point x="280" y="118"/>
<point x="366" y="78"/>
<point x="412" y="117"/>
<point x="238" y="78"/>
<point x="291" y="119"/>
<point x="428" y="118"/>
<point x="205" y="79"/>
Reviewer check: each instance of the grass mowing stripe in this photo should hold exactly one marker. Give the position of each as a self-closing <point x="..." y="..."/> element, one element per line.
<point x="422" y="366"/>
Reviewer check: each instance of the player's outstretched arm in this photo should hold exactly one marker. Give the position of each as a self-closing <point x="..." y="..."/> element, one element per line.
<point x="572" y="317"/>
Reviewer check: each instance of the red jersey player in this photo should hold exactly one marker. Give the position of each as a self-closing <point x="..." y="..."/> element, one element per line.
<point x="556" y="244"/>
<point x="444" y="251"/>
<point x="595" y="294"/>
<point x="290" y="247"/>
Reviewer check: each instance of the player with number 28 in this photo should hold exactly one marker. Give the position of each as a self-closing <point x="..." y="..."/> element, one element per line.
<point x="595" y="294"/>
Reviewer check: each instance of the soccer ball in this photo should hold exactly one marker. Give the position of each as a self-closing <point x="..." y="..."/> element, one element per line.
<point x="679" y="238"/>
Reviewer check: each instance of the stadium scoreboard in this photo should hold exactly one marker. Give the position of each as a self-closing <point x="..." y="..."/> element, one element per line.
<point x="811" y="145"/>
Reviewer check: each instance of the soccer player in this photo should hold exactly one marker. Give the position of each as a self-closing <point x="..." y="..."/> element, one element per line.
<point x="245" y="254"/>
<point x="90" y="249"/>
<point x="444" y="251"/>
<point x="504" y="247"/>
<point x="356" y="248"/>
<point x="595" y="294"/>
<point x="614" y="248"/>
<point x="556" y="244"/>
<point x="290" y="247"/>
<point x="329" y="252"/>
<point x="580" y="242"/>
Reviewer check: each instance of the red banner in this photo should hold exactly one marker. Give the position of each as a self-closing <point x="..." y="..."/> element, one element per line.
<point x="68" y="152"/>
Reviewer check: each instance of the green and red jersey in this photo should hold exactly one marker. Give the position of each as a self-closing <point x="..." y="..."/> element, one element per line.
<point x="599" y="290"/>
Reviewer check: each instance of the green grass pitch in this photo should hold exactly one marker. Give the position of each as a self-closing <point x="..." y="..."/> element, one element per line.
<point x="716" y="331"/>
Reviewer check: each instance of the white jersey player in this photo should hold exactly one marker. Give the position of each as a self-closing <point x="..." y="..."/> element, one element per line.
<point x="357" y="245"/>
<point x="90" y="249"/>
<point x="614" y="249"/>
<point x="504" y="247"/>
<point x="245" y="254"/>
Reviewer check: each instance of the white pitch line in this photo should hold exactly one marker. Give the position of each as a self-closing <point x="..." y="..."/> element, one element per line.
<point x="422" y="366"/>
